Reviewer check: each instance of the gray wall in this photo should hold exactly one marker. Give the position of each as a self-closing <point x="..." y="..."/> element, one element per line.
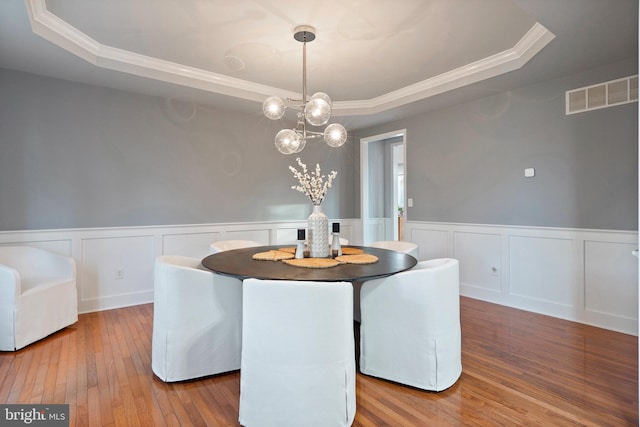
<point x="466" y="163"/>
<point x="74" y="155"/>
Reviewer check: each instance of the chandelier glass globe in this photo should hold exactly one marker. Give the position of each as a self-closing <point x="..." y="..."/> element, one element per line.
<point x="288" y="141"/>
<point x="301" y="144"/>
<point x="273" y="107"/>
<point x="323" y="96"/>
<point x="318" y="109"/>
<point x="335" y="135"/>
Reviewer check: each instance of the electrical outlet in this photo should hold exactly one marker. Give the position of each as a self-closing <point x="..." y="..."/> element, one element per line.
<point x="118" y="273"/>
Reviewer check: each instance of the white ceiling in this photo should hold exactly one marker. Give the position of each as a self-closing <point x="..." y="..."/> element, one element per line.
<point x="378" y="59"/>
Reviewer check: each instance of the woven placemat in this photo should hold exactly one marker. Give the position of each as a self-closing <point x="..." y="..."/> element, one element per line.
<point x="346" y="250"/>
<point x="312" y="262"/>
<point x="289" y="250"/>
<point x="272" y="255"/>
<point x="358" y="259"/>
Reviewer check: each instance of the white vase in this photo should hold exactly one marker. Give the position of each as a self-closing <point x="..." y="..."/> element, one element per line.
<point x="318" y="230"/>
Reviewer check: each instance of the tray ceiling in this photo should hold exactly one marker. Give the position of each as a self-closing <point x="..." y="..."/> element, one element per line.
<point x="374" y="57"/>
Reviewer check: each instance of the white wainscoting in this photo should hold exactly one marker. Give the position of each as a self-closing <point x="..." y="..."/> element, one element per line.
<point x="377" y="229"/>
<point x="588" y="276"/>
<point x="115" y="265"/>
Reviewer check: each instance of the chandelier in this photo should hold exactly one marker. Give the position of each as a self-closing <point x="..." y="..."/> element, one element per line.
<point x="316" y="111"/>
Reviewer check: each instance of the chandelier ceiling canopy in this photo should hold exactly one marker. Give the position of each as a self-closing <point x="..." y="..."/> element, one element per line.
<point x="315" y="111"/>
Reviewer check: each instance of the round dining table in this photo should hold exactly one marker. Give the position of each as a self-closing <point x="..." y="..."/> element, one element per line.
<point x="240" y="264"/>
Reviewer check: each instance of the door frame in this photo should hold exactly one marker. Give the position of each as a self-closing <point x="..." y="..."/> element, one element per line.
<point x="393" y="201"/>
<point x="364" y="176"/>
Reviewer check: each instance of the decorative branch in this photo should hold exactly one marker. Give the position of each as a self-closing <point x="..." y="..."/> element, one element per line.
<point x="312" y="185"/>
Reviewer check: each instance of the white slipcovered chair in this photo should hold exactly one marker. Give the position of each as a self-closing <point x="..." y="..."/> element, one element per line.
<point x="197" y="320"/>
<point x="227" y="245"/>
<point x="298" y="356"/>
<point x="38" y="295"/>
<point x="399" y="246"/>
<point x="410" y="330"/>
<point x="392" y="245"/>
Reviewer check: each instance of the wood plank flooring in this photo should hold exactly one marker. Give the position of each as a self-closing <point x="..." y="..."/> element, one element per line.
<point x="519" y="369"/>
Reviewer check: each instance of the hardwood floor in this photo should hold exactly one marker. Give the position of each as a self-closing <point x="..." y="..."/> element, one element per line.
<point x="519" y="368"/>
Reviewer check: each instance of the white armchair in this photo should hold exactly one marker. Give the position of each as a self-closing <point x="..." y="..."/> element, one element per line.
<point x="298" y="360"/>
<point x="197" y="320"/>
<point x="408" y="248"/>
<point x="410" y="330"/>
<point x="38" y="295"/>
<point x="227" y="245"/>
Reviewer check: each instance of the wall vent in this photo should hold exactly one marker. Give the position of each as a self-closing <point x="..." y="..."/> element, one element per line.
<point x="602" y="95"/>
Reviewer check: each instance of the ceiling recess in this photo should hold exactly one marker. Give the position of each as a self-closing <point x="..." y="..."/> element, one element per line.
<point x="61" y="33"/>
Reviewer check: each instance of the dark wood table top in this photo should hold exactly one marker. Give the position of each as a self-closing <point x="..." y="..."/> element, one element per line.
<point x="238" y="263"/>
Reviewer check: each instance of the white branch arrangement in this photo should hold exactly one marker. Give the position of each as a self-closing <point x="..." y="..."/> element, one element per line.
<point x="313" y="186"/>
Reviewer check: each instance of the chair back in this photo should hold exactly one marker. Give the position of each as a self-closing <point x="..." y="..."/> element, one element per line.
<point x="32" y="263"/>
<point x="410" y="326"/>
<point x="38" y="295"/>
<point x="298" y="357"/>
<point x="398" y="246"/>
<point x="227" y="245"/>
<point x="197" y="322"/>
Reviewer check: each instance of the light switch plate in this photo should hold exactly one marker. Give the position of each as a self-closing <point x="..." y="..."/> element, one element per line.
<point x="529" y="172"/>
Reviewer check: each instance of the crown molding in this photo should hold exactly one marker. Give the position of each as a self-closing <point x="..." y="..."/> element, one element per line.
<point x="62" y="34"/>
<point x="508" y="60"/>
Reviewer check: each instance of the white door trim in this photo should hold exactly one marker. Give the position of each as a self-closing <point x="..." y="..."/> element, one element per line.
<point x="364" y="176"/>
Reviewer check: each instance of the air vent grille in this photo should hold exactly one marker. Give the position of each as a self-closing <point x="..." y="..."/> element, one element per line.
<point x="602" y="95"/>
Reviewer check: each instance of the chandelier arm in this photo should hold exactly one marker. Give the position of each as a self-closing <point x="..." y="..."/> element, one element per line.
<point x="313" y="135"/>
<point x="299" y="102"/>
<point x="307" y="134"/>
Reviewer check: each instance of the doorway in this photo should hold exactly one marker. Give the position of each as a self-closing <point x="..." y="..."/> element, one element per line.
<point x="382" y="186"/>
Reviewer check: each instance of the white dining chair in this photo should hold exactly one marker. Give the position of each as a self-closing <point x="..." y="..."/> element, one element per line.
<point x="298" y="355"/>
<point x="38" y="295"/>
<point x="410" y="326"/>
<point x="197" y="320"/>
<point x="227" y="245"/>
<point x="409" y="248"/>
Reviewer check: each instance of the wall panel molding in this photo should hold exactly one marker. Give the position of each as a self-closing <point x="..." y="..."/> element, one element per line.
<point x="587" y="276"/>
